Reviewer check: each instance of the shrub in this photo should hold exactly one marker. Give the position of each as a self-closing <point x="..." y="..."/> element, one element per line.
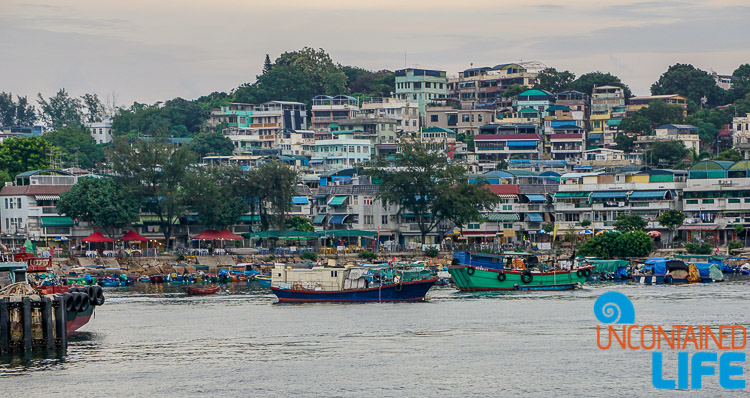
<point x="694" y="248"/>
<point x="735" y="244"/>
<point x="367" y="255"/>
<point x="431" y="252"/>
<point x="309" y="256"/>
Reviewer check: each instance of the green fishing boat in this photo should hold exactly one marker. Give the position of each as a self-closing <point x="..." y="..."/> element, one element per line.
<point x="483" y="272"/>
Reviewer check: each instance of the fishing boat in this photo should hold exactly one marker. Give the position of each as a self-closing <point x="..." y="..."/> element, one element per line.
<point x="472" y="272"/>
<point x="200" y="291"/>
<point x="367" y="283"/>
<point x="265" y="280"/>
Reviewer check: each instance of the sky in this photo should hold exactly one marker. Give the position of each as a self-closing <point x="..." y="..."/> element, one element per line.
<point x="148" y="51"/>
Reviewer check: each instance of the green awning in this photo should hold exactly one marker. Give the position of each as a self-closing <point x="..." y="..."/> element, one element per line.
<point x="153" y="220"/>
<point x="613" y="122"/>
<point x="571" y="194"/>
<point x="319" y="219"/>
<point x="337" y="200"/>
<point x="607" y="265"/>
<point x="261" y="234"/>
<point x="502" y="217"/>
<point x="51" y="221"/>
<point x="249" y="218"/>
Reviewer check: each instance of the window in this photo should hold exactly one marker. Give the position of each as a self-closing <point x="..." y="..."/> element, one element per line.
<point x="479" y="118"/>
<point x="368" y="220"/>
<point x="417" y="85"/>
<point x="6" y="203"/>
<point x="427" y="85"/>
<point x="367" y="201"/>
<point x="507" y="207"/>
<point x="356" y="199"/>
<point x="18" y="202"/>
<point x="384" y="219"/>
<point x="473" y="226"/>
<point x="465" y="118"/>
<point x="734" y="201"/>
<point x="414" y="123"/>
<point x="434" y="118"/>
<point x="508" y="225"/>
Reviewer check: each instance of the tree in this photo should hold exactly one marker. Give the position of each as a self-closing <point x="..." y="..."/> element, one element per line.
<point x="61" y="110"/>
<point x="157" y="175"/>
<point x="176" y="117"/>
<point x="671" y="219"/>
<point x="687" y="80"/>
<point x="634" y="244"/>
<point x="742" y="72"/>
<point x="78" y="147"/>
<point x="211" y="143"/>
<point x="630" y="222"/>
<point x="214" y="193"/>
<point x="95" y="110"/>
<point x="13" y="113"/>
<point x="646" y="119"/>
<point x="586" y="83"/>
<point x="23" y="154"/>
<point x="99" y="201"/>
<point x="514" y="90"/>
<point x="425" y="185"/>
<point x="585" y="223"/>
<point x="553" y="81"/>
<point x="731" y="155"/>
<point x="268" y="190"/>
<point x="602" y="245"/>
<point x="738" y="230"/>
<point x="299" y="223"/>
<point x="624" y="142"/>
<point x="369" y="83"/>
<point x="267" y="64"/>
<point x="667" y="154"/>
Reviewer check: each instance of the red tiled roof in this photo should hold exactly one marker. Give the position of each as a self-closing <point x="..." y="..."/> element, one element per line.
<point x="567" y="136"/>
<point x="34" y="190"/>
<point x="504" y="189"/>
<point x="507" y="137"/>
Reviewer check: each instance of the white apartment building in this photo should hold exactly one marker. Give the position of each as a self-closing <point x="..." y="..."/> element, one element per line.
<point x="101" y="131"/>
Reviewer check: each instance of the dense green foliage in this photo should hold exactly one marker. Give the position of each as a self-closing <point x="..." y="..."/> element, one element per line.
<point x="667" y="154"/>
<point x="211" y="143"/>
<point x="671" y="219"/>
<point x="691" y="82"/>
<point x="21" y="154"/>
<point x="77" y="146"/>
<point x="206" y="186"/>
<point x="16" y="113"/>
<point x="362" y="82"/>
<point x="554" y="81"/>
<point x="587" y="81"/>
<point x="100" y="202"/>
<point x="268" y="189"/>
<point x="367" y="255"/>
<point x="696" y="248"/>
<point x="614" y="244"/>
<point x="428" y="187"/>
<point x="299" y="223"/>
<point x="514" y="90"/>
<point x="61" y="110"/>
<point x="176" y="118"/>
<point x="646" y="119"/>
<point x="630" y="222"/>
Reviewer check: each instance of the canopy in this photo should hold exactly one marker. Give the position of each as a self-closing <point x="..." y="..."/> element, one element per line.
<point x="299" y="200"/>
<point x="319" y="219"/>
<point x="211" y="234"/>
<point x="228" y="235"/>
<point x="607" y="266"/>
<point x="133" y="236"/>
<point x="97" y="237"/>
<point x="337" y="219"/>
<point x="653" y="234"/>
<point x="347" y="232"/>
<point x="52" y="221"/>
<point x="648" y="194"/>
<point x="609" y="195"/>
<point x="337" y="200"/>
<point x="585" y="232"/>
<point x="535" y="217"/>
<point x="536" y="198"/>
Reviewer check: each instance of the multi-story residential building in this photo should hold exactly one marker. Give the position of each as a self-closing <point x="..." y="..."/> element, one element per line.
<point x="566" y="146"/>
<point x="606" y="98"/>
<point x="328" y="110"/>
<point x="741" y="134"/>
<point x="484" y="86"/>
<point x="610" y="158"/>
<point x="421" y="86"/>
<point x="716" y="198"/>
<point x="685" y="133"/>
<point x="405" y="112"/>
<point x="449" y="114"/>
<point x="602" y="197"/>
<point x="258" y="126"/>
<point x="28" y="208"/>
<point x="341" y="152"/>
<point x="492" y="148"/>
<point x="577" y="102"/>
<point x="636" y="103"/>
<point x="438" y="138"/>
<point x="606" y="124"/>
<point x="377" y="130"/>
<point x="297" y="142"/>
<point x="724" y="81"/>
<point x="533" y="103"/>
<point x="101" y="131"/>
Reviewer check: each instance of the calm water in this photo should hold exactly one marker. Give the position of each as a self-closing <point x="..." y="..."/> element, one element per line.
<point x="145" y="341"/>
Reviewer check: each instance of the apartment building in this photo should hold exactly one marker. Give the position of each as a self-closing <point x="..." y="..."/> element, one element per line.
<point x="100" y="131"/>
<point x="451" y="114"/>
<point x="421" y="86"/>
<point x="253" y="127"/>
<point x="484" y="86"/>
<point x="405" y="112"/>
<point x="636" y="103"/>
<point x="327" y="110"/>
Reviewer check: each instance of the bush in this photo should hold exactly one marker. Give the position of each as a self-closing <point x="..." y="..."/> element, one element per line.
<point x="735" y="244"/>
<point x="312" y="256"/>
<point x="367" y="255"/>
<point x="614" y="244"/>
<point x="694" y="248"/>
<point x="270" y="258"/>
<point x="431" y="252"/>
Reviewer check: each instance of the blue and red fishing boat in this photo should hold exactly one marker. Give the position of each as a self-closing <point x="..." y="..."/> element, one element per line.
<point x="373" y="283"/>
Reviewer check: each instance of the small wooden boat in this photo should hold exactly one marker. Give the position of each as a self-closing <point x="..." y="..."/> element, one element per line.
<point x="200" y="291"/>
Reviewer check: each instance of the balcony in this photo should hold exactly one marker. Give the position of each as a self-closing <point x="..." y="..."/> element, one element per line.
<point x="49" y="210"/>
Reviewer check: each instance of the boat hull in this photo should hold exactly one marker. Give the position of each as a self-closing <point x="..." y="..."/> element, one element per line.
<point x="407" y="291"/>
<point x="76" y="320"/>
<point x="196" y="291"/>
<point x="472" y="279"/>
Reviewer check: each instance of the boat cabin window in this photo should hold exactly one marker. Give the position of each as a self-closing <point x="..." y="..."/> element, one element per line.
<point x="334" y="274"/>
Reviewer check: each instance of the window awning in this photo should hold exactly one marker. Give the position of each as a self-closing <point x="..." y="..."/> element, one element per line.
<point x="502" y="217"/>
<point x="338" y="219"/>
<point x="47" y="197"/>
<point x="507" y="196"/>
<point x="648" y="194"/>
<point x="595" y="136"/>
<point x="571" y="194"/>
<point x="613" y="122"/>
<point x="609" y="195"/>
<point x="319" y="219"/>
<point x="248" y="218"/>
<point x="337" y="200"/>
<point x="50" y="221"/>
<point x="536" y="198"/>
<point x="299" y="200"/>
<point x="517" y="143"/>
<point x="698" y="227"/>
<point x="535" y="217"/>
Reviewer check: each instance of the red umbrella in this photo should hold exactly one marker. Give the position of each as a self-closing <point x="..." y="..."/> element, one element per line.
<point x="133" y="236"/>
<point x="97" y="237"/>
<point x="653" y="234"/>
<point x="228" y="235"/>
<point x="209" y="234"/>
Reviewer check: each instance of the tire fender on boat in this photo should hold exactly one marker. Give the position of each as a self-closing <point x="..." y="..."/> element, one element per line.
<point x="69" y="302"/>
<point x="579" y="273"/>
<point x="99" y="295"/>
<point x="85" y="303"/>
<point x="471" y="270"/>
<point x="91" y="293"/>
<point x="526" y="277"/>
<point x="587" y="273"/>
<point x="501" y="277"/>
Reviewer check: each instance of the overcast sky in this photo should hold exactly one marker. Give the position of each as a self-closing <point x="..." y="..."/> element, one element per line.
<point x="147" y="50"/>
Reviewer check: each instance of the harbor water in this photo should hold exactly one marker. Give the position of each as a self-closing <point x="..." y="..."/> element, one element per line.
<point x="152" y="340"/>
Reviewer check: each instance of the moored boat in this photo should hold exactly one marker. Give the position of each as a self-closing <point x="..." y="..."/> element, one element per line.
<point x="200" y="291"/>
<point x="511" y="271"/>
<point x="373" y="283"/>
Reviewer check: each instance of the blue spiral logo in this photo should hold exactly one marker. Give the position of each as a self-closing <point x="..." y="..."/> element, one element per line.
<point x="614" y="307"/>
